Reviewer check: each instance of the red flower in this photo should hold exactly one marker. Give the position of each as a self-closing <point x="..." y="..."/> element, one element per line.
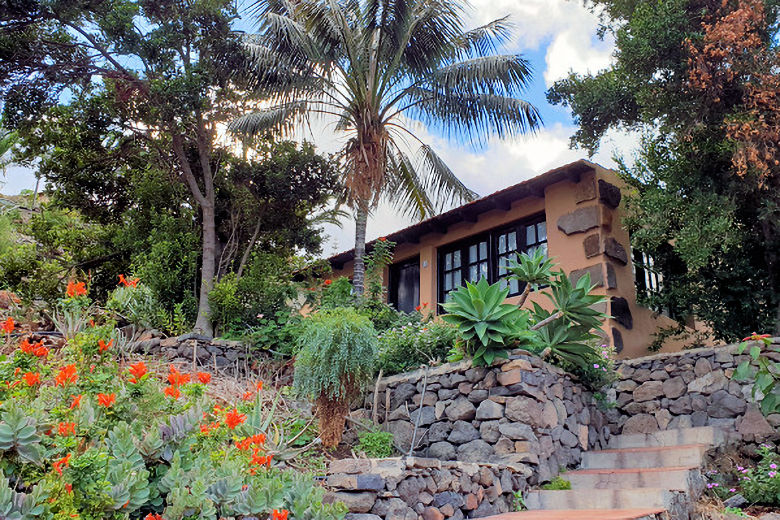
<point x="66" y="428"/>
<point x="128" y="283"/>
<point x="67" y="374"/>
<point x="248" y="396"/>
<point x="154" y="516"/>
<point x="328" y="282"/>
<point x="259" y="386"/>
<point x="8" y="325"/>
<point x="138" y="371"/>
<point x="41" y="351"/>
<point x="106" y="400"/>
<point x="756" y="337"/>
<point x="233" y="418"/>
<point x="27" y="347"/>
<point x="204" y="377"/>
<point x="418" y="308"/>
<point x="32" y="378"/>
<point x="103" y="346"/>
<point x="176" y="378"/>
<point x="172" y="391"/>
<point x="65" y="461"/>
<point x="69" y="488"/>
<point x="76" y="401"/>
<point x="76" y="289"/>
<point x="381" y="239"/>
<point x="279" y="515"/>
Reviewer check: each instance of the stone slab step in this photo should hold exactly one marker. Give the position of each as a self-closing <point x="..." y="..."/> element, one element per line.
<point x="649" y="498"/>
<point x="654" y="457"/>
<point x="684" y="478"/>
<point x="678" y="437"/>
<point x="583" y="514"/>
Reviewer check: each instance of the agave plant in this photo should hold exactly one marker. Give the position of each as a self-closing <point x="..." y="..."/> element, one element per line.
<point x="485" y="323"/>
<point x="533" y="271"/>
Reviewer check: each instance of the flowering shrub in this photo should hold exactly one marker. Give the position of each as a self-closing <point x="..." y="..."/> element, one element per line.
<point x="766" y="390"/>
<point x="84" y="437"/>
<point x="414" y="344"/>
<point x="759" y="484"/>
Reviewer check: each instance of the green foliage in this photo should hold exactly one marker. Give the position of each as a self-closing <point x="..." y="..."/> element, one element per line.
<point x="485" y="323"/>
<point x="533" y="270"/>
<point x="558" y="483"/>
<point x="376" y="263"/>
<point x="766" y="376"/>
<point x="336" y="354"/>
<point x="137" y="305"/>
<point x="376" y="444"/>
<point x="414" y="344"/>
<point x="759" y="484"/>
<point x="19" y="434"/>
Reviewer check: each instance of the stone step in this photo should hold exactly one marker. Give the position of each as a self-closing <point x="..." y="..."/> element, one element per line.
<point x="649" y="498"/>
<point x="653" y="457"/>
<point x="679" y="437"/>
<point x="583" y="514"/>
<point x="674" y="478"/>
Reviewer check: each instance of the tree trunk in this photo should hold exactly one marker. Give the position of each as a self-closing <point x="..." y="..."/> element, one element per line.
<point x="207" y="270"/>
<point x="359" y="269"/>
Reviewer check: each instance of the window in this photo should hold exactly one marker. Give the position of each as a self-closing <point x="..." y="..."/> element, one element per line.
<point x="648" y="280"/>
<point x="487" y="255"/>
<point x="405" y="285"/>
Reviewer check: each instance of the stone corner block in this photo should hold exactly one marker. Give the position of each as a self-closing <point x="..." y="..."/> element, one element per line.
<point x="609" y="194"/>
<point x="580" y="220"/>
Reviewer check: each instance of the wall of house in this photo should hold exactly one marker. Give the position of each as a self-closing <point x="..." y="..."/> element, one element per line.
<point x="584" y="235"/>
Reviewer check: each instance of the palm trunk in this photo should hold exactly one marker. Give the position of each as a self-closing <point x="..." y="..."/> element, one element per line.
<point x="359" y="269"/>
<point x="207" y="270"/>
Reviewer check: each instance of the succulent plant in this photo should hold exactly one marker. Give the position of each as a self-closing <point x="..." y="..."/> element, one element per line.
<point x="19" y="432"/>
<point x="21" y="506"/>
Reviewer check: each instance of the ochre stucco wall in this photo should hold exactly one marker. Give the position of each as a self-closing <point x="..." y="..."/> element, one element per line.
<point x="560" y="199"/>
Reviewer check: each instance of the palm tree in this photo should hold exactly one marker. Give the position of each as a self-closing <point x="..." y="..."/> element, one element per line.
<point x="374" y="66"/>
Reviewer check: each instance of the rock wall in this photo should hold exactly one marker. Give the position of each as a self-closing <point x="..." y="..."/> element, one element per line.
<point x="689" y="388"/>
<point x="519" y="412"/>
<point x="412" y="487"/>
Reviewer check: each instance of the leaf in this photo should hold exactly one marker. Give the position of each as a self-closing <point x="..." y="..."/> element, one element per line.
<point x="755" y="352"/>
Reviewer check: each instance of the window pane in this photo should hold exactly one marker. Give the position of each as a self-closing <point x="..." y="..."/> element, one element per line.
<point x="502" y="266"/>
<point x="514" y="286"/>
<point x="473" y="273"/>
<point x="472" y="254"/>
<point x="513" y="241"/>
<point x="456" y="259"/>
<point x="502" y="283"/>
<point x="448" y="281"/>
<point x="541" y="231"/>
<point x="448" y="262"/>
<point x="483" y="250"/>
<point x="543" y="247"/>
<point x="502" y="244"/>
<point x="530" y="235"/>
<point x="456" y="282"/>
<point x="483" y="270"/>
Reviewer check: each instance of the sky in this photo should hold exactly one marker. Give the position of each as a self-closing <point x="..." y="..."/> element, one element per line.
<point x="556" y="37"/>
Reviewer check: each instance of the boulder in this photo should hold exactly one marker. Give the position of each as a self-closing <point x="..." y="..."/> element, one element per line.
<point x="461" y="410"/>
<point x="475" y="451"/>
<point x="442" y="450"/>
<point x="463" y="432"/>
<point x="489" y="410"/>
<point x="642" y="423"/>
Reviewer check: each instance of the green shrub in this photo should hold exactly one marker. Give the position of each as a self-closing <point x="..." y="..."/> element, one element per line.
<point x="336" y="355"/>
<point x="136" y="305"/>
<point x="761" y="485"/>
<point x="557" y="484"/>
<point x="376" y="444"/>
<point x="766" y="390"/>
<point x="413" y="344"/>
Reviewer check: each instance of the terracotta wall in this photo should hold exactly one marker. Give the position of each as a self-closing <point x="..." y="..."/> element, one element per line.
<point x="584" y="234"/>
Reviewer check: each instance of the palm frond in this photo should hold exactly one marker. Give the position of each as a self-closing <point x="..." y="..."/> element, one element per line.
<point x="280" y="118"/>
<point x="404" y="188"/>
<point x="507" y="75"/>
<point x="483" y="40"/>
<point x="440" y="179"/>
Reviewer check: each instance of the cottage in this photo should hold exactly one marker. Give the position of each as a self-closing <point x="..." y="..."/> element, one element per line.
<point x="573" y="212"/>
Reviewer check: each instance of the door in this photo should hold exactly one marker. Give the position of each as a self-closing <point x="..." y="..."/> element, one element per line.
<point x="405" y="285"/>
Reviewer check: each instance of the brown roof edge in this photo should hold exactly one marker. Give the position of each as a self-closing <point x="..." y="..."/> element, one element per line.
<point x="501" y="199"/>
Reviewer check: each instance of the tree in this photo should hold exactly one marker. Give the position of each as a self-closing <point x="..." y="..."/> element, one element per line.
<point x="699" y="79"/>
<point x="168" y="64"/>
<point x="372" y="64"/>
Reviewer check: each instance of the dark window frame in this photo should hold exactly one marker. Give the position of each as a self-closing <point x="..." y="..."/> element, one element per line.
<point x="491" y="236"/>
<point x="392" y="291"/>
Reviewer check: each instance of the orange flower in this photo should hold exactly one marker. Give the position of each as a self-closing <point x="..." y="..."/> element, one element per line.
<point x="259" y="386"/>
<point x="204" y="429"/>
<point x="65" y="461"/>
<point x="154" y="516"/>
<point x="67" y="374"/>
<point x="258" y="439"/>
<point x="381" y="239"/>
<point x="172" y="391"/>
<point x="233" y="418"/>
<point x="176" y="378"/>
<point x="103" y="346"/>
<point x="76" y="401"/>
<point x="128" y="283"/>
<point x="106" y="400"/>
<point x="69" y="488"/>
<point x="66" y="428"/>
<point x="27" y="347"/>
<point x="248" y="396"/>
<point x="204" y="377"/>
<point x="41" y="351"/>
<point x="279" y="515"/>
<point x="76" y="289"/>
<point x="328" y="282"/>
<point x="261" y="460"/>
<point x="138" y="371"/>
<point x="17" y="371"/>
<point x="8" y="325"/>
<point x="32" y="378"/>
<point x="418" y="308"/>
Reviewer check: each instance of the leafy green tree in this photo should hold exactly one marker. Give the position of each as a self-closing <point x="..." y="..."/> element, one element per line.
<point x="697" y="78"/>
<point x="372" y="65"/>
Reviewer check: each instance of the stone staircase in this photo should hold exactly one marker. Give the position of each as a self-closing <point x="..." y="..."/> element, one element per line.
<point x="640" y="477"/>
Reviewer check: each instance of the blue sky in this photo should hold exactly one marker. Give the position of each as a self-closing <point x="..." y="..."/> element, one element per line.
<point x="556" y="36"/>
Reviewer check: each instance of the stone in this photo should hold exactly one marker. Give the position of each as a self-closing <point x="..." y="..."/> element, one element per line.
<point x="724" y="405"/>
<point x="596" y="273"/>
<point x="465" y="388"/>
<point x="488" y="430"/>
<point x="193" y="335"/>
<point x="702" y="367"/>
<point x="517" y="431"/>
<point x="409" y="489"/>
<point x="356" y="502"/>
<point x="360" y="482"/>
<point x="648" y="391"/>
<point x="349" y="466"/>
<point x="439" y="431"/>
<point x="432" y="513"/>
<point x="626" y="385"/>
<point x="477" y="396"/>
<point x="401" y="394"/>
<point x="609" y="194"/>
<point x="463" y="432"/>
<point x="442" y="450"/>
<point x="611" y="276"/>
<point x="580" y="220"/>
<point x="550" y="415"/>
<point x="664" y="417"/>
<point x="525" y="410"/>
<point x="489" y="410"/>
<point x="426" y="414"/>
<point x="615" y="250"/>
<point x="361" y="516"/>
<point x="642" y="423"/>
<point x="585" y="190"/>
<point x="520" y="363"/>
<point x="617" y="340"/>
<point x="592" y="245"/>
<point x="770" y="516"/>
<point x="583" y="436"/>
<point x="510" y="378"/>
<point x="470" y="502"/>
<point x="446" y="509"/>
<point x="681" y="406"/>
<point x="461" y="410"/>
<point x="568" y="439"/>
<point x="699" y="418"/>
<point x="735" y="501"/>
<point x="392" y="507"/>
<point x="674" y="387"/>
<point x="474" y="375"/>
<point x="621" y="312"/>
<point x="753" y="425"/>
<point x="475" y="451"/>
<point x="448" y="497"/>
<point x="402" y="433"/>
